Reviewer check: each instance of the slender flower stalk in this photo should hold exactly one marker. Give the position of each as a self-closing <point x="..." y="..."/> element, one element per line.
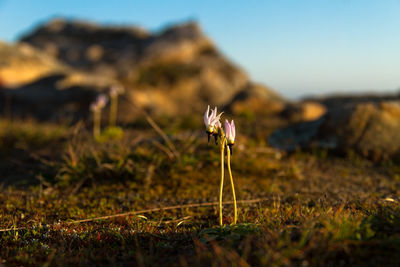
<point x="230" y="133"/>
<point x="114" y="92"/>
<point x="96" y="122"/>
<point x="113" y="110"/>
<point x="231" y="178"/>
<point x="221" y="188"/>
<point x="96" y="108"/>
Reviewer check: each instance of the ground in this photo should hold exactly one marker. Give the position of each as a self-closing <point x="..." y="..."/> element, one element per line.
<point x="312" y="208"/>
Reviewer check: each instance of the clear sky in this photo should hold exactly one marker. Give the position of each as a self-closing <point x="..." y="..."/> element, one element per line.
<point x="297" y="47"/>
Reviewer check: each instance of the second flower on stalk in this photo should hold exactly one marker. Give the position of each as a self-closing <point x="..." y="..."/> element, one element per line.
<point x="230" y="133"/>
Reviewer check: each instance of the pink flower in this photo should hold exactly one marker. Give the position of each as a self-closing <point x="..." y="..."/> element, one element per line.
<point x="102" y="100"/>
<point x="212" y="121"/>
<point x="116" y="90"/>
<point x="99" y="103"/>
<point x="93" y="107"/>
<point x="230" y="132"/>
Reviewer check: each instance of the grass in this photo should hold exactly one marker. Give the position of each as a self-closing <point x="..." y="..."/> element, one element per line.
<point x="318" y="209"/>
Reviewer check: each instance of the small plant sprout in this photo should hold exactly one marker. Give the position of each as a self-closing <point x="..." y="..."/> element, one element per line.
<point x="226" y="140"/>
<point x="115" y="91"/>
<point x="96" y="107"/>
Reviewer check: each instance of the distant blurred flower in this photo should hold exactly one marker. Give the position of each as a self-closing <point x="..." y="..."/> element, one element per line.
<point x="96" y="108"/>
<point x="102" y="100"/>
<point x="93" y="107"/>
<point x="116" y="90"/>
<point x="99" y="103"/>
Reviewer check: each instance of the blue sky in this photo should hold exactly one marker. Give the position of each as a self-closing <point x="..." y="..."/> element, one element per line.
<point x="296" y="47"/>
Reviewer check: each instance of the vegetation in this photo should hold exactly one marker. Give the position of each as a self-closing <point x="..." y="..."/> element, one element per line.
<point x="312" y="208"/>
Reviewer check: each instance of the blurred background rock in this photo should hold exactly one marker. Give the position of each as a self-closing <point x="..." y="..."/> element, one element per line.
<point x="53" y="72"/>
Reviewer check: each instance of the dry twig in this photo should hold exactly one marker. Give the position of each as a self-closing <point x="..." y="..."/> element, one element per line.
<point x="130" y="213"/>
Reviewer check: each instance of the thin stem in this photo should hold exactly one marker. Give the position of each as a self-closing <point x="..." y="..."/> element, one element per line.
<point x="155" y="126"/>
<point x="96" y="121"/>
<point x="228" y="152"/>
<point x="222" y="181"/>
<point x="113" y="110"/>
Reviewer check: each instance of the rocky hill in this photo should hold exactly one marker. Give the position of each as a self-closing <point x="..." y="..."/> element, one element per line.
<point x="34" y="84"/>
<point x="21" y="64"/>
<point x="176" y="70"/>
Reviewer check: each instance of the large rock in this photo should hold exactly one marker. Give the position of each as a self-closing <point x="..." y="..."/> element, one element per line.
<point x="36" y="85"/>
<point x="303" y="111"/>
<point x="21" y="64"/>
<point x="256" y="98"/>
<point x="369" y="129"/>
<point x="88" y="46"/>
<point x="338" y="100"/>
<point x="177" y="70"/>
<point x="62" y="97"/>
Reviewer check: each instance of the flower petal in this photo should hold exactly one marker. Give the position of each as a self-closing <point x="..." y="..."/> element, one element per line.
<point x="227" y="129"/>
<point x="218" y="124"/>
<point x="213" y="114"/>
<point x="216" y="119"/>
<point x="206" y="116"/>
<point x="233" y="130"/>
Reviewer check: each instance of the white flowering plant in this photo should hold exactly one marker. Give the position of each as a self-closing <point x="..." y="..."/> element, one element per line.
<point x="226" y="141"/>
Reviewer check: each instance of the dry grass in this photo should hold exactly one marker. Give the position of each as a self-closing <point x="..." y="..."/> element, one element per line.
<point x="319" y="210"/>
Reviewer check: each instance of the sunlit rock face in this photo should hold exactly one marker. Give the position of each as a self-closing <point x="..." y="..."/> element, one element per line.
<point x="178" y="69"/>
<point x="21" y="64"/>
<point x="303" y="111"/>
<point x="33" y="84"/>
<point x="369" y="129"/>
<point x="256" y="98"/>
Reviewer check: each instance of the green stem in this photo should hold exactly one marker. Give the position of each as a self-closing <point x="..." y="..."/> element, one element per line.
<point x="228" y="152"/>
<point x="222" y="182"/>
<point x="96" y="121"/>
<point x="113" y="110"/>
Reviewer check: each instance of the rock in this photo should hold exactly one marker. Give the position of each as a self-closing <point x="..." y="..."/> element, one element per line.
<point x="63" y="64"/>
<point x="22" y="63"/>
<point x="55" y="97"/>
<point x="36" y="85"/>
<point x="297" y="136"/>
<point x="166" y="88"/>
<point x="117" y="50"/>
<point x="175" y="71"/>
<point x="256" y="98"/>
<point x="370" y="129"/>
<point x="87" y="46"/>
<point x="180" y="43"/>
<point x="303" y="111"/>
<point x="338" y="100"/>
